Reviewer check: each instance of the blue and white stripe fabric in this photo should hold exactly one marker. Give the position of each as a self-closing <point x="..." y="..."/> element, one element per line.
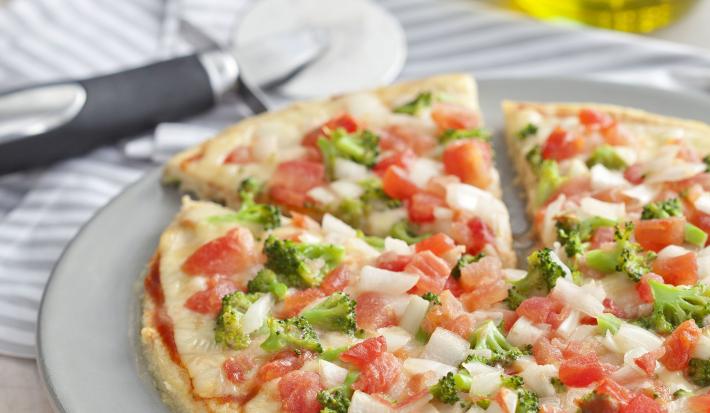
<point x="44" y="40"/>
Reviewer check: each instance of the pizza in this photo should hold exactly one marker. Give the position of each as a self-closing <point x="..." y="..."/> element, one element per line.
<point x="618" y="200"/>
<point x="353" y="255"/>
<point x="407" y="160"/>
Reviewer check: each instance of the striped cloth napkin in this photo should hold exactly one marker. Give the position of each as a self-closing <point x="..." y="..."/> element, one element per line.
<point x="42" y="40"/>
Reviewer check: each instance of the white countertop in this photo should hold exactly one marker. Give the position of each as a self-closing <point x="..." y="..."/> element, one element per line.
<point x="20" y="387"/>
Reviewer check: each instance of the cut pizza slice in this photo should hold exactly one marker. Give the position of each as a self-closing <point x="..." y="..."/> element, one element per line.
<point x="404" y="160"/>
<point x="288" y="314"/>
<point x="619" y="201"/>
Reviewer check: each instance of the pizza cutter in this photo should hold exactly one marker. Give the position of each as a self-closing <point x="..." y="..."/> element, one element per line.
<point x="295" y="48"/>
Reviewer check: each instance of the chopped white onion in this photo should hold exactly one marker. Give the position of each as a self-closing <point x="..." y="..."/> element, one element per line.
<point x="573" y="167"/>
<point x="322" y="195"/>
<point x="537" y="378"/>
<point x="257" y="313"/>
<point x="583" y="332"/>
<point x="398" y="304"/>
<point x="577" y="297"/>
<point x="476" y="368"/>
<point x="380" y="222"/>
<point x="348" y="170"/>
<point x="702" y="204"/>
<point x="264" y="146"/>
<point x="703" y="260"/>
<point x="674" y="172"/>
<point x="332" y="224"/>
<point x="569" y="324"/>
<point x="522" y="118"/>
<point x="674" y="380"/>
<point x="422" y="170"/>
<point x="365" y="105"/>
<point x="385" y="281"/>
<point x="364" y="403"/>
<point x="359" y="248"/>
<point x="549" y="232"/>
<point x="591" y="207"/>
<point x="671" y="251"/>
<point x="702" y="348"/>
<point x="485" y="384"/>
<point x="420" y="366"/>
<point x="468" y="198"/>
<point x="629" y="155"/>
<point x="418" y="405"/>
<point x="331" y="375"/>
<point x="603" y="178"/>
<point x="446" y="347"/>
<point x="397" y="245"/>
<point x="508" y="399"/>
<point x="443" y="214"/>
<point x="396" y="337"/>
<point x="642" y="193"/>
<point x="346" y="189"/>
<point x="414" y="314"/>
<point x="514" y="274"/>
<point x="523" y="332"/>
<point x="630" y="337"/>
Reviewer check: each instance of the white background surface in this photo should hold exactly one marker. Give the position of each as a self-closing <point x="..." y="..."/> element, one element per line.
<point x="20" y="386"/>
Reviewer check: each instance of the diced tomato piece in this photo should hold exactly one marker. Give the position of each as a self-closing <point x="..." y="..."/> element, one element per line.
<point x="484" y="283"/>
<point x="373" y="311"/>
<point x="303" y="221"/>
<point x="561" y="145"/>
<point x="679" y="270"/>
<point x="240" y="155"/>
<point x="365" y="352"/>
<point x="470" y="160"/>
<point x="402" y="159"/>
<point x="611" y="308"/>
<point x="344" y="121"/>
<point x="542" y="310"/>
<point x="699" y="404"/>
<point x="480" y="235"/>
<point x="237" y="368"/>
<point x="647" y="362"/>
<point x="451" y="116"/>
<point x="679" y="345"/>
<point x="227" y="255"/>
<point x="432" y="270"/>
<point x="616" y="135"/>
<point x="634" y="174"/>
<point x="601" y="236"/>
<point x="336" y="280"/>
<point x="614" y="390"/>
<point x="407" y="137"/>
<point x="282" y="363"/>
<point x="593" y="117"/>
<point x="209" y="300"/>
<point x="597" y="403"/>
<point x="642" y="404"/>
<point x="453" y="285"/>
<point x="392" y="261"/>
<point x="294" y="303"/>
<point x="378" y="375"/>
<point x="293" y="179"/>
<point x="643" y="288"/>
<point x="299" y="392"/>
<point x="656" y="234"/>
<point x="545" y="352"/>
<point x="396" y="184"/>
<point x="581" y="370"/>
<point x="420" y="208"/>
<point x="438" y="243"/>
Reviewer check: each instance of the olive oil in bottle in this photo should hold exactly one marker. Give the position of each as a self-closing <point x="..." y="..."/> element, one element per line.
<point x="640" y="16"/>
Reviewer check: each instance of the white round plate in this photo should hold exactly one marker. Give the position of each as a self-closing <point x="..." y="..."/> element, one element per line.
<point x="367" y="45"/>
<point x="89" y="355"/>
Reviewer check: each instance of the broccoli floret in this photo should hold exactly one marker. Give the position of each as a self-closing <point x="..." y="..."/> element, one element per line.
<point x="335" y="313"/>
<point x="228" y="329"/>
<point x="528" y="402"/>
<point x="464" y="261"/>
<point x="512" y="382"/>
<point x="558" y="385"/>
<point x="544" y="268"/>
<point x="607" y="156"/>
<point x="674" y="304"/>
<point x="489" y="337"/>
<point x="662" y="209"/>
<point x="432" y="298"/>
<point x="250" y="212"/>
<point x="573" y="234"/>
<point x="534" y="158"/>
<point x="362" y="147"/>
<point x="626" y="256"/>
<point x="447" y="388"/>
<point x="415" y="106"/>
<point x="301" y="265"/>
<point x="549" y="179"/>
<point x="351" y="211"/>
<point x="706" y="161"/>
<point x="699" y="372"/>
<point x="266" y="281"/>
<point x="374" y="197"/>
<point x="608" y="322"/>
<point x="407" y="232"/>
<point x="450" y="135"/>
<point x="335" y="400"/>
<point x="528" y="130"/>
<point x="295" y="333"/>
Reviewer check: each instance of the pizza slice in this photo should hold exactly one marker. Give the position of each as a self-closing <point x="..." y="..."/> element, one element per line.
<point x="405" y="160"/>
<point x="252" y="311"/>
<point x="619" y="199"/>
